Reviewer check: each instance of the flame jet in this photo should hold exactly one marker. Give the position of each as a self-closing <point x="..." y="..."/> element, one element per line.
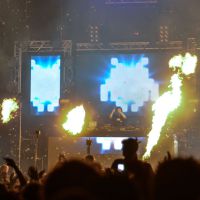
<point x="171" y="99"/>
<point x="8" y="108"/>
<point x="75" y="120"/>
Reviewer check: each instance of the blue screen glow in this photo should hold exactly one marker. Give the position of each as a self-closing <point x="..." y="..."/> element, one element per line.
<point x="107" y="142"/>
<point x="129" y="84"/>
<point x="111" y="144"/>
<point x="45" y="83"/>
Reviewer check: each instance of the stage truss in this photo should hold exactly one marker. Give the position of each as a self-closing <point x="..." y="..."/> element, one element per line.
<point x="131" y="1"/>
<point x="190" y="45"/>
<point x="44" y="46"/>
<point x="62" y="47"/>
<point x="131" y="46"/>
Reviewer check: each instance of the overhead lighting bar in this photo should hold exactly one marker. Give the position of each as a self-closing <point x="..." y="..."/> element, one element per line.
<point x="131" y="1"/>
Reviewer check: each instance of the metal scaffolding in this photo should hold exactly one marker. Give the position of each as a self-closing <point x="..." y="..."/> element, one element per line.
<point x="133" y="46"/>
<point x="45" y="46"/>
<point x="131" y="1"/>
<point x="63" y="47"/>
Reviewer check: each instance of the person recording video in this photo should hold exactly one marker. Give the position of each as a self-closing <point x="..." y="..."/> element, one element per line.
<point x="117" y="116"/>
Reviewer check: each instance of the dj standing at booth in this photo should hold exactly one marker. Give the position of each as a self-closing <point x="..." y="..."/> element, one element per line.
<point x="117" y="116"/>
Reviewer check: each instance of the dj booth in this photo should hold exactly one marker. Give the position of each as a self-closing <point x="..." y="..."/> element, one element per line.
<point x="108" y="130"/>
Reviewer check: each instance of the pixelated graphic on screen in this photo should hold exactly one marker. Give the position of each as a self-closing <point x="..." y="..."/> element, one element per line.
<point x="129" y="84"/>
<point x="45" y="83"/>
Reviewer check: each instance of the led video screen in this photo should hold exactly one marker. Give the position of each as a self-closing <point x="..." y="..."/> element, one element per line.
<point x="130" y="81"/>
<point x="45" y="83"/>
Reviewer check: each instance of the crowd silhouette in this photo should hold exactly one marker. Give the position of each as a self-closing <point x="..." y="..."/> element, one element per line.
<point x="127" y="178"/>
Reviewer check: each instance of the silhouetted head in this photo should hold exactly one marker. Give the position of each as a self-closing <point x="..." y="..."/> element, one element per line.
<point x="117" y="187"/>
<point x="32" y="191"/>
<point x="129" y="149"/>
<point x="178" y="179"/>
<point x="89" y="158"/>
<point x="61" y="157"/>
<point x="33" y="173"/>
<point x="73" y="175"/>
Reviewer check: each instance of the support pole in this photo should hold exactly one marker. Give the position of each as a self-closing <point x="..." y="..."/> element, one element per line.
<point x="37" y="133"/>
<point x="20" y="107"/>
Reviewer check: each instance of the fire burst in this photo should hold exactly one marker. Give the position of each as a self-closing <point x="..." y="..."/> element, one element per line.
<point x="75" y="120"/>
<point x="170" y="100"/>
<point x="9" y="106"/>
